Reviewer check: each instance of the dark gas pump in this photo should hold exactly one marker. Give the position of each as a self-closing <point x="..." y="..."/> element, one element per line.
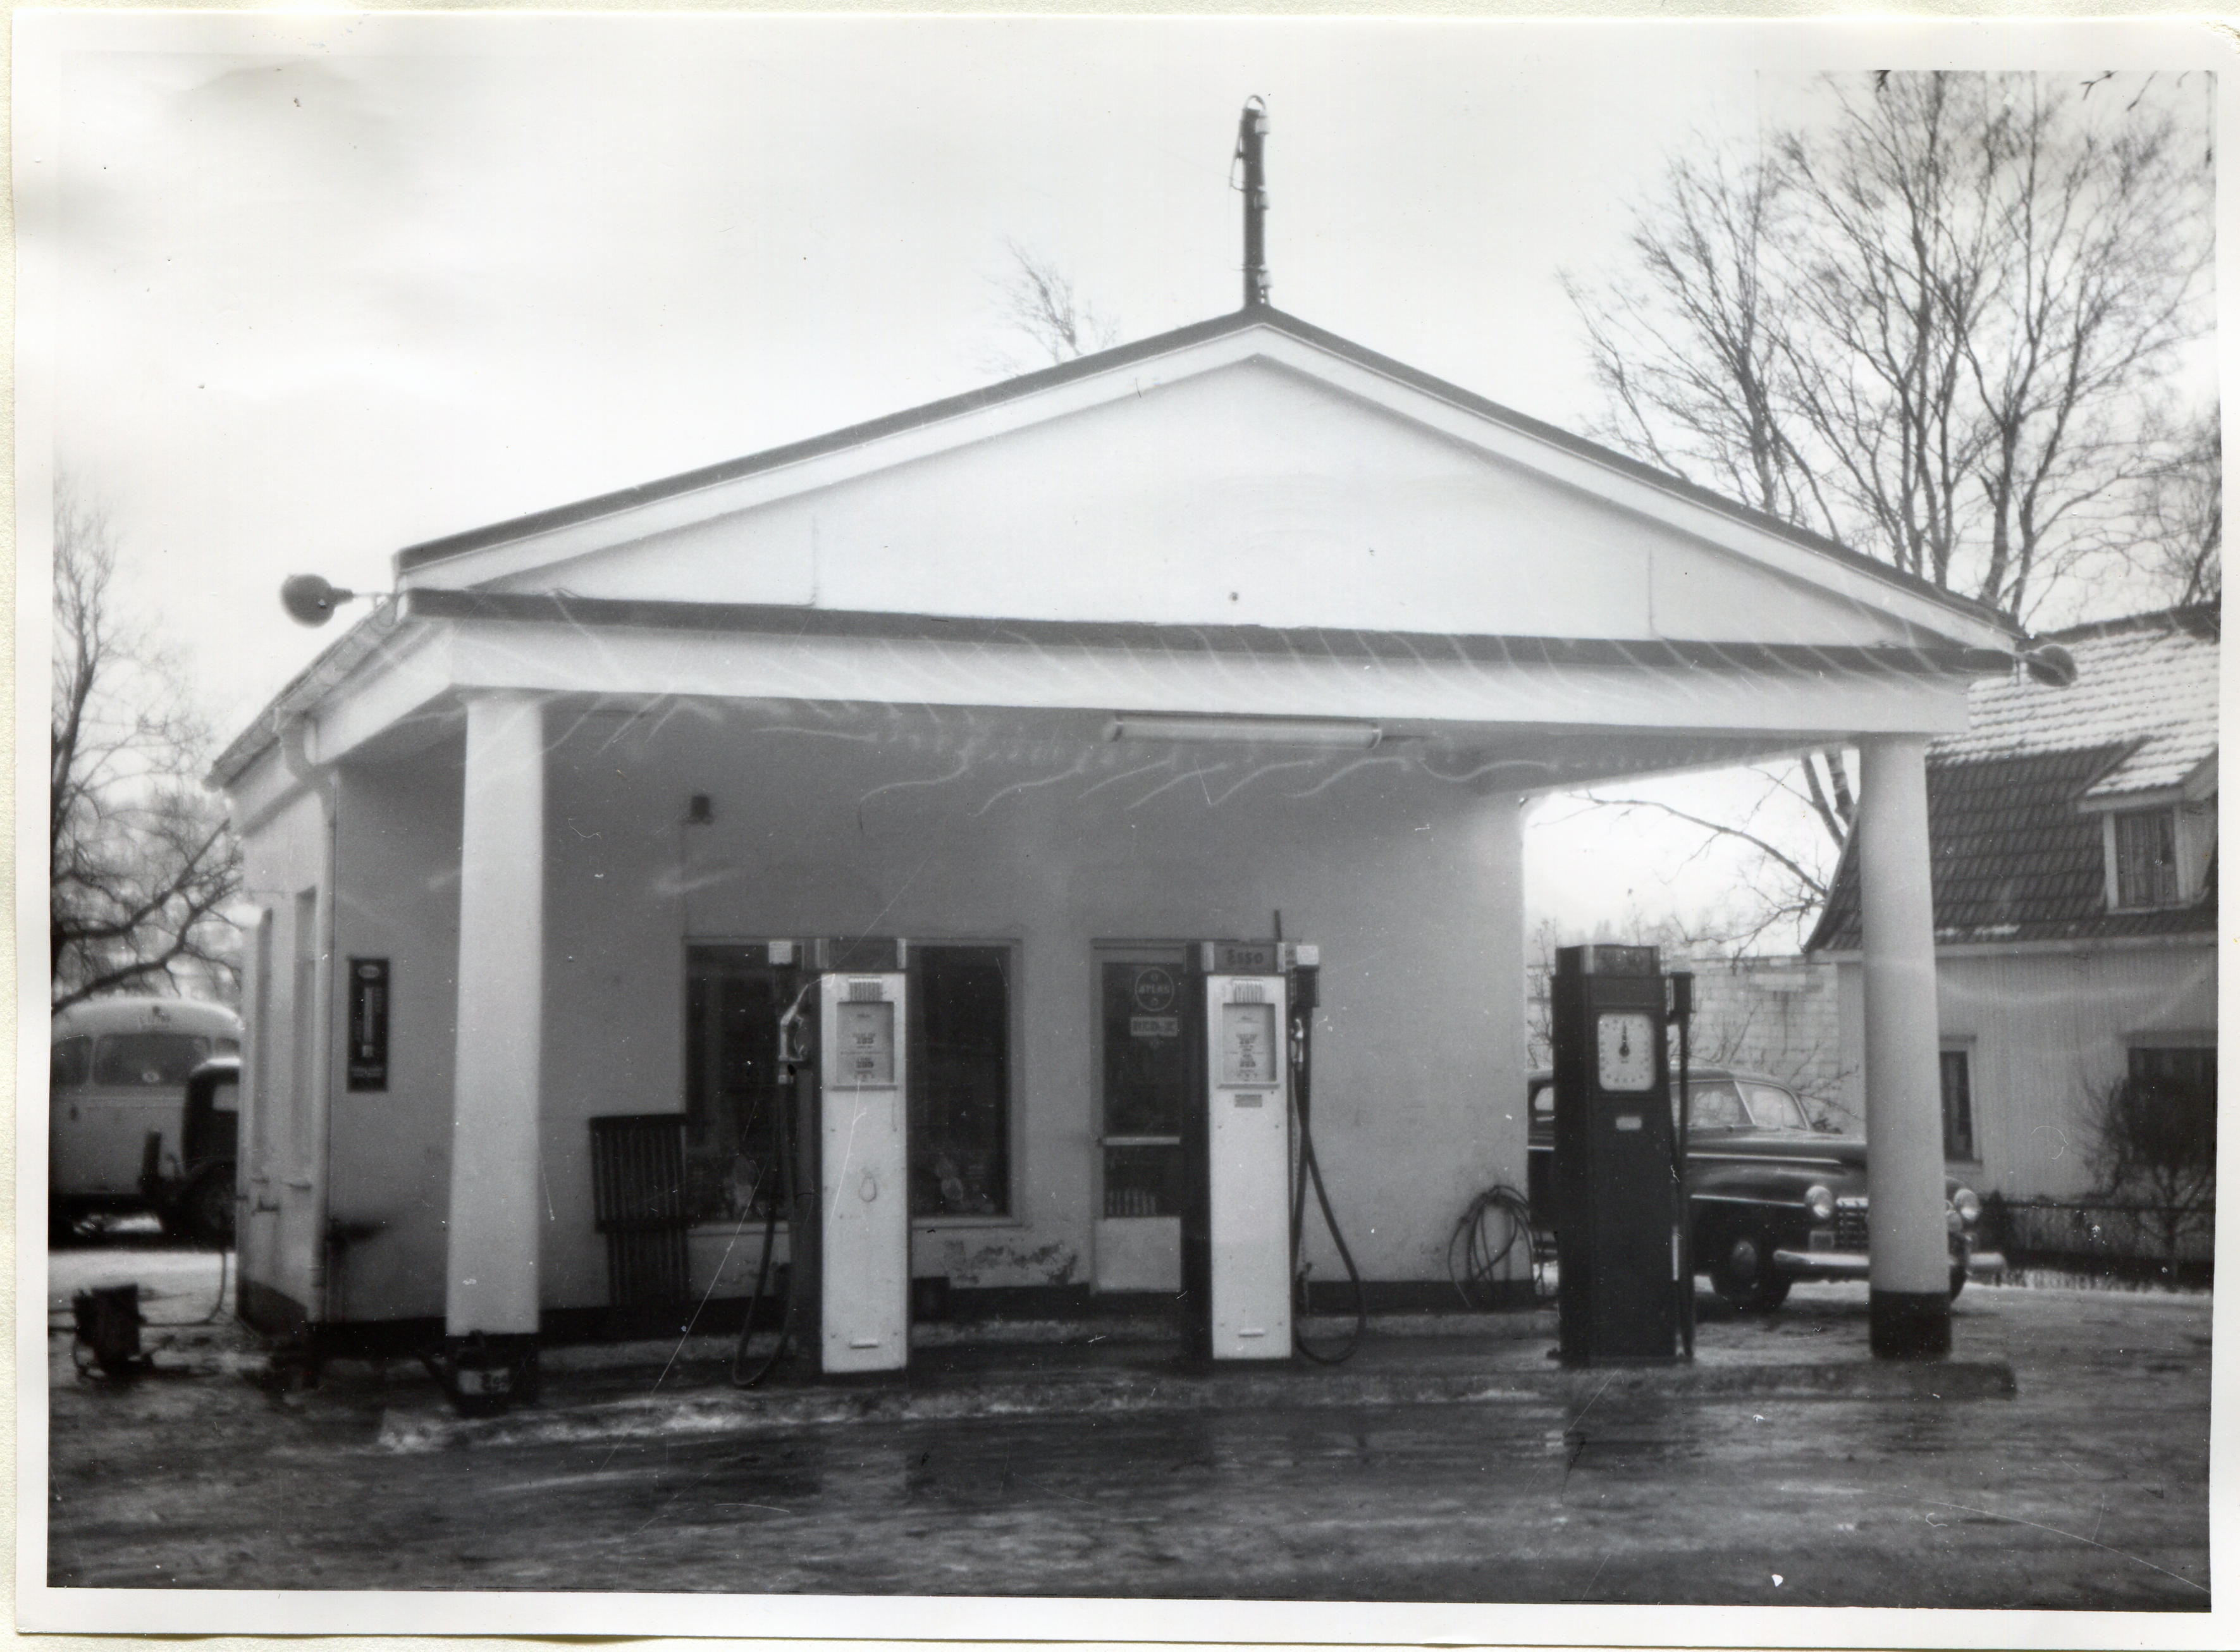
<point x="1624" y="1279"/>
<point x="843" y="1156"/>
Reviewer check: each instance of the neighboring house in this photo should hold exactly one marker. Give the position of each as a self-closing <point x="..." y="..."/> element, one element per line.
<point x="2073" y="834"/>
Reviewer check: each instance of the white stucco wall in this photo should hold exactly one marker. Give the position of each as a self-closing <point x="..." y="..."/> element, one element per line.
<point x="930" y="826"/>
<point x="282" y="859"/>
<point x="2044" y="1030"/>
<point x="1410" y="885"/>
<point x="397" y="842"/>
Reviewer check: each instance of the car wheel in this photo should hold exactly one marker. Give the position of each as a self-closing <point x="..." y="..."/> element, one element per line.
<point x="1743" y="1273"/>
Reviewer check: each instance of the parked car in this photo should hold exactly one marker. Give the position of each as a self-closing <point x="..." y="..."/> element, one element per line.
<point x="117" y="1077"/>
<point x="1773" y="1197"/>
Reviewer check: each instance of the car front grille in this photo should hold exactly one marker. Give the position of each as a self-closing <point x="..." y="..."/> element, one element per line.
<point x="1851" y="1225"/>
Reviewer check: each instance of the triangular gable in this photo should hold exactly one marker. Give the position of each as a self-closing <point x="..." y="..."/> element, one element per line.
<point x="1252" y="472"/>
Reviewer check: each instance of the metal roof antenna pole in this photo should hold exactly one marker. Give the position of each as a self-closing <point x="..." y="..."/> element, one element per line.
<point x="1251" y="135"/>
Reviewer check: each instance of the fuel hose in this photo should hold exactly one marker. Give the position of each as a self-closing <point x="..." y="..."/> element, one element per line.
<point x="1310" y="1170"/>
<point x="786" y="1196"/>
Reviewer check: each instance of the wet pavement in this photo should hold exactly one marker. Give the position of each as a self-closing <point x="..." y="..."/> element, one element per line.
<point x="1756" y="1478"/>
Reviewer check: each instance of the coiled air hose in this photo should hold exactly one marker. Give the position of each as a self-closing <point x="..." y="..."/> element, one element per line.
<point x="1475" y="1260"/>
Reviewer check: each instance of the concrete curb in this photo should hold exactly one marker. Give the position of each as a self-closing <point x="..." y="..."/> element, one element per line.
<point x="995" y="1396"/>
<point x="1322" y="1329"/>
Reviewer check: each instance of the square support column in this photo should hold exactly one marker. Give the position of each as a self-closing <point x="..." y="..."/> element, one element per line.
<point x="490" y="1284"/>
<point x="1908" y="1266"/>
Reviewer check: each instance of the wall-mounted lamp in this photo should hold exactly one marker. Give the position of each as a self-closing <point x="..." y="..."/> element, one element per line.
<point x="1257" y="731"/>
<point x="700" y="812"/>
<point x="310" y="600"/>
<point x="2052" y="665"/>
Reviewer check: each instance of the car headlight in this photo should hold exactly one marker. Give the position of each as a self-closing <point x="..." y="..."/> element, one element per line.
<point x="1820" y="1202"/>
<point x="1967" y="1205"/>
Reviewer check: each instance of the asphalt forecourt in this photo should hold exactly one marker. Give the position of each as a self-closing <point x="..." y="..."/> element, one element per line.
<point x="649" y="1390"/>
<point x="2058" y="1460"/>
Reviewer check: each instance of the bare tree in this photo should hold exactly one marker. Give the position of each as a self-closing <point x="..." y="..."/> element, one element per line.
<point x="1036" y="304"/>
<point x="140" y="863"/>
<point x="1717" y="409"/>
<point x="1936" y="324"/>
<point x="1790" y="872"/>
<point x="2180" y="542"/>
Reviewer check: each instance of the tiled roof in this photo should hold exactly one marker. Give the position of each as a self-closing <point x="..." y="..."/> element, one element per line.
<point x="2012" y="857"/>
<point x="2152" y="677"/>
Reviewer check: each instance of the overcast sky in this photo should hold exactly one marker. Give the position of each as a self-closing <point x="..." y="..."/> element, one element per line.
<point x="299" y="291"/>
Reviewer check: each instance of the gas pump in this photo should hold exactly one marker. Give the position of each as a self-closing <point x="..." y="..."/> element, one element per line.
<point x="1237" y="1227"/>
<point x="1616" y="1178"/>
<point x="843" y="1039"/>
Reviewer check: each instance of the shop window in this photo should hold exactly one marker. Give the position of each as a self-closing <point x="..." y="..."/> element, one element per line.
<point x="960" y="1104"/>
<point x="731" y="1084"/>
<point x="959" y="1087"/>
<point x="1959" y="1104"/>
<point x="2146" y="858"/>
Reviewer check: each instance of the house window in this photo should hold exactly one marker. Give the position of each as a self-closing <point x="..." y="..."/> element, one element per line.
<point x="1959" y="1104"/>
<point x="960" y="1034"/>
<point x="2146" y="858"/>
<point x="2191" y="1067"/>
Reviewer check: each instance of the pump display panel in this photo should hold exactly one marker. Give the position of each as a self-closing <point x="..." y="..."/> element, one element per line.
<point x="864" y="1051"/>
<point x="1249" y="1049"/>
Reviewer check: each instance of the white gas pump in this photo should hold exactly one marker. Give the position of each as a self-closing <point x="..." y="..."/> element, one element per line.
<point x="1236" y="1229"/>
<point x="845" y="1147"/>
<point x="861" y="1138"/>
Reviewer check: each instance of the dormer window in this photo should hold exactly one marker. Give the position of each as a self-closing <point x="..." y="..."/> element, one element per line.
<point x="2158" y="857"/>
<point x="2146" y="857"/>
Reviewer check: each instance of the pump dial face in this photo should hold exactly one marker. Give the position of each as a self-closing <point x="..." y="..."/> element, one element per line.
<point x="1625" y="1043"/>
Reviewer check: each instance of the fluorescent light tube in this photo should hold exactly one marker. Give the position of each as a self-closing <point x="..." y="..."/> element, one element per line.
<point x="1269" y="731"/>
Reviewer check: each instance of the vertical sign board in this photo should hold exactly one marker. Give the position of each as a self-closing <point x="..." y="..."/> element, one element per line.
<point x="368" y="1024"/>
<point x="864" y="1174"/>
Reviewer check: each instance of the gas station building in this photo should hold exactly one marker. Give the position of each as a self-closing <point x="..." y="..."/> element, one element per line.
<point x="1041" y="682"/>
